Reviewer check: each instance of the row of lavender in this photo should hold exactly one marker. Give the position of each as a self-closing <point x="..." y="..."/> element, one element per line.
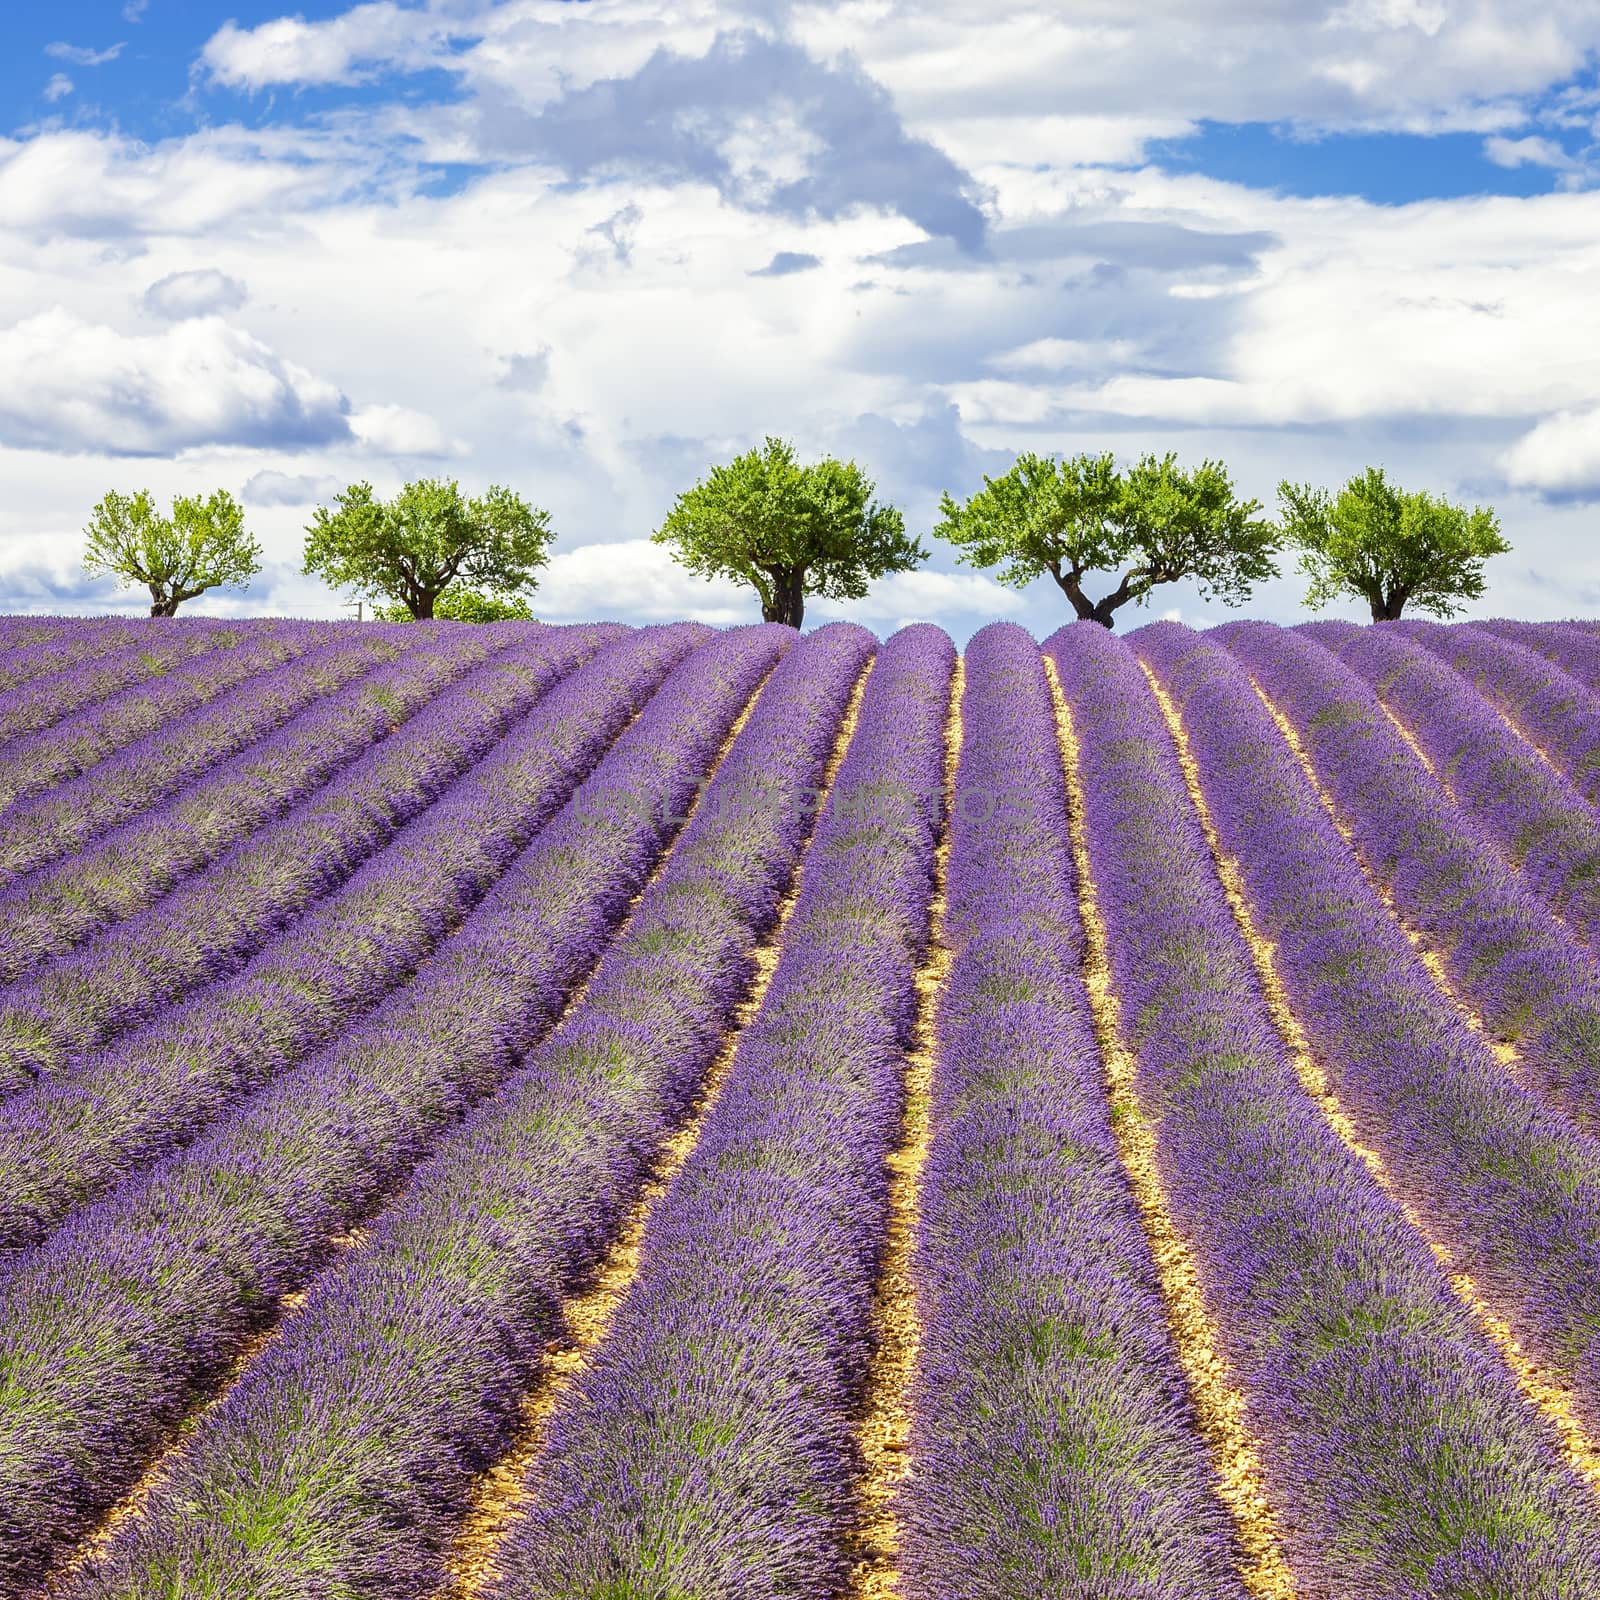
<point x="467" y="1273"/>
<point x="139" y="1301"/>
<point x="1328" y="1326"/>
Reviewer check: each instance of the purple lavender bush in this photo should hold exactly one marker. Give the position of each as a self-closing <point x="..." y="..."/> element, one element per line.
<point x="39" y="761"/>
<point x="1509" y="1187"/>
<point x="43" y="683"/>
<point x="709" y="1449"/>
<point x="1547" y="706"/>
<point x="90" y="1121"/>
<point x="42" y="827"/>
<point x="1526" y="976"/>
<point x="139" y="1301"/>
<point x="298" y="809"/>
<point x="466" y="1274"/>
<point x="1532" y="815"/>
<point x="1366" y="1380"/>
<point x="1053" y="1447"/>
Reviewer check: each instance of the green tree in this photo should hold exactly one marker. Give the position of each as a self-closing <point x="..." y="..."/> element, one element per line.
<point x="458" y="604"/>
<point x="202" y="545"/>
<point x="1152" y="525"/>
<point x="789" y="530"/>
<point x="412" y="549"/>
<point x="1390" y="548"/>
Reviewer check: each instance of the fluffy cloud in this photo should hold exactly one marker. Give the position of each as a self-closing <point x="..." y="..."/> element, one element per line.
<point x="78" y="386"/>
<point x="1559" y="457"/>
<point x="639" y="579"/>
<point x="394" y="430"/>
<point x="339" y="50"/>
<point x="198" y="293"/>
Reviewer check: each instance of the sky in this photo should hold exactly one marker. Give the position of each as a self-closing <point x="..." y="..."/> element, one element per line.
<point x="591" y="248"/>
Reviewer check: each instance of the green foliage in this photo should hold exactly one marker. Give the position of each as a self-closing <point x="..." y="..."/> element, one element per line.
<point x="1153" y="524"/>
<point x="459" y="604"/>
<point x="1388" y="547"/>
<point x="412" y="549"/>
<point x="202" y="545"/>
<point x="789" y="530"/>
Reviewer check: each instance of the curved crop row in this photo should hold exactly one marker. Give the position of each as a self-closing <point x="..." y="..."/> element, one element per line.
<point x="1046" y="1382"/>
<point x="66" y="749"/>
<point x="41" y="685"/>
<point x="1546" y="705"/>
<point x="45" y="826"/>
<point x="357" y="1451"/>
<point x="709" y="1449"/>
<point x="1510" y="1188"/>
<point x="20" y="633"/>
<point x="1575" y="650"/>
<point x="209" y="926"/>
<point x="371" y="726"/>
<point x="1533" y="817"/>
<point x="1497" y="942"/>
<point x="1371" y="1389"/>
<point x="110" y="1327"/>
<point x="85" y="1126"/>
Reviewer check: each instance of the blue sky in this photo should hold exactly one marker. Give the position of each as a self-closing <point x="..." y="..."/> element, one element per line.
<point x="591" y="248"/>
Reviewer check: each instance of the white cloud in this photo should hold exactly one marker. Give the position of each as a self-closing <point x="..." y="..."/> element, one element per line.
<point x="134" y="10"/>
<point x="341" y="49"/>
<point x="1561" y="455"/>
<point x="636" y="578"/>
<point x="394" y="430"/>
<point x="197" y="293"/>
<point x="73" y="385"/>
<point x="925" y="596"/>
<point x="1532" y="151"/>
<point x="58" y="88"/>
<point x="81" y="56"/>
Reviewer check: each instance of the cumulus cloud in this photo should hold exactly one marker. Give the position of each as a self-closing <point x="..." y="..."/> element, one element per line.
<point x="343" y="49"/>
<point x="1558" y="457"/>
<point x="395" y="430"/>
<point x="637" y="578"/>
<point x="78" y="386"/>
<point x="81" y="56"/>
<point x="202" y="292"/>
<point x="787" y="262"/>
<point x="923" y="596"/>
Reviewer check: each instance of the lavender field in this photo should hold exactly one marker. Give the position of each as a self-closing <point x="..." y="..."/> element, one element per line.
<point x="598" y="1113"/>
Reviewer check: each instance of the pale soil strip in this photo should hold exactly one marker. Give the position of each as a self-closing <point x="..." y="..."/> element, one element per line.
<point x="168" y="1457"/>
<point x="885" y="1428"/>
<point x="1543" y="1389"/>
<point x="503" y="1490"/>
<point x="1503" y="1050"/>
<point x="162" y="1464"/>
<point x="1219" y="1403"/>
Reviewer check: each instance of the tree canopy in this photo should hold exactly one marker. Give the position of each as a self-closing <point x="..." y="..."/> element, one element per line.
<point x="789" y="530"/>
<point x="412" y="549"/>
<point x="202" y="545"/>
<point x="1154" y="524"/>
<point x="1388" y="547"/>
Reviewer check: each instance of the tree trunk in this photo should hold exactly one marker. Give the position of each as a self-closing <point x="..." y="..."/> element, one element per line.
<point x="1091" y="610"/>
<point x="788" y="603"/>
<point x="162" y="605"/>
<point x="421" y="607"/>
<point x="1387" y="607"/>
